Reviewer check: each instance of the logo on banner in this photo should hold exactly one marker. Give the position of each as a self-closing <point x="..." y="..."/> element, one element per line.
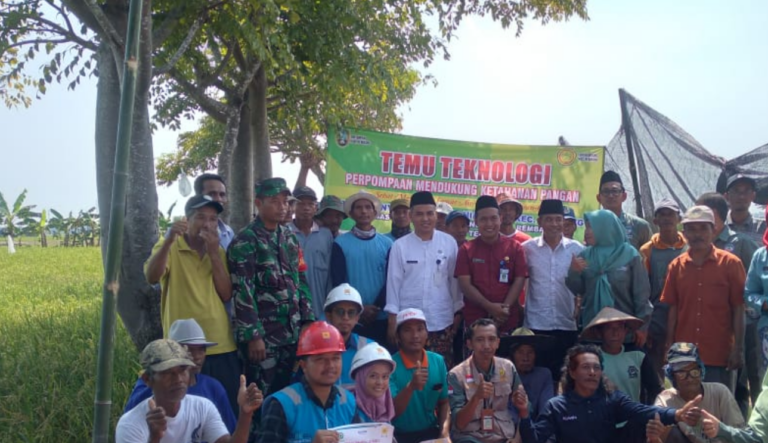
<point x="566" y="157"/>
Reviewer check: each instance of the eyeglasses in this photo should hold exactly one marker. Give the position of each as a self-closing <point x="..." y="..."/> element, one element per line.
<point x="611" y="192"/>
<point x="691" y="373"/>
<point x="341" y="312"/>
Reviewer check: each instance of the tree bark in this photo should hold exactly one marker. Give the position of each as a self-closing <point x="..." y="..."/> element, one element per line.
<point x="138" y="302"/>
<point x="257" y="99"/>
<point x="241" y="178"/>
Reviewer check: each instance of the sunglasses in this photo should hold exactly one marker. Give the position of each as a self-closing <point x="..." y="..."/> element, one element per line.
<point x="682" y="375"/>
<point x="341" y="312"/>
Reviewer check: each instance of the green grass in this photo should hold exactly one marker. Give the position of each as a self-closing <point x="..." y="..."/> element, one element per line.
<point x="50" y="308"/>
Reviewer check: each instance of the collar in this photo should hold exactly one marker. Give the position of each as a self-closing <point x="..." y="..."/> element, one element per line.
<point x="749" y="221"/>
<point x="514" y="231"/>
<point x="412" y="364"/>
<point x="487" y="375"/>
<point x="294" y="228"/>
<point x="541" y="243"/>
<point x="710" y="256"/>
<point x="351" y="343"/>
<point x="726" y="233"/>
<point x="658" y="244"/>
<point x="183" y="245"/>
<point x="312" y="396"/>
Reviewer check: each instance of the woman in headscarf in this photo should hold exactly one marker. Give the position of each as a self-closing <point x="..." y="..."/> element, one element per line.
<point x="371" y="368"/>
<point x="756" y="296"/>
<point x="610" y="273"/>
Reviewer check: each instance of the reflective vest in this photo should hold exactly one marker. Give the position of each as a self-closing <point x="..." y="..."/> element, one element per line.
<point x="304" y="417"/>
<point x="505" y="380"/>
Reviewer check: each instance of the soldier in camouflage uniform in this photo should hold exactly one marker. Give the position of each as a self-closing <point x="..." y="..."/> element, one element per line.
<point x="272" y="301"/>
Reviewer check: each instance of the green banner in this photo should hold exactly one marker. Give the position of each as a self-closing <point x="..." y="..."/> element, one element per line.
<point x="395" y="166"/>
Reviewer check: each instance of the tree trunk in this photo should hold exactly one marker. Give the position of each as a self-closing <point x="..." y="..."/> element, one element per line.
<point x="257" y="99"/>
<point x="138" y="302"/>
<point x="241" y="177"/>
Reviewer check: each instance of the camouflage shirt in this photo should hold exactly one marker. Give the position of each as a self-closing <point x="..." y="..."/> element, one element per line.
<point x="269" y="287"/>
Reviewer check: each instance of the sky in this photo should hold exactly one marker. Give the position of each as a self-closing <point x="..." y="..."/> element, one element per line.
<point x="699" y="62"/>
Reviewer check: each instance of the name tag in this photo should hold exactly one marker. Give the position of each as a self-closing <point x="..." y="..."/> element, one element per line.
<point x="503" y="275"/>
<point x="412" y="262"/>
<point x="622" y="268"/>
<point x="478" y="260"/>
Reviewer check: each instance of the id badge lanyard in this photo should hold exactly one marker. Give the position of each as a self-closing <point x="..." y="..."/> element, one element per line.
<point x="486" y="417"/>
<point x="503" y="272"/>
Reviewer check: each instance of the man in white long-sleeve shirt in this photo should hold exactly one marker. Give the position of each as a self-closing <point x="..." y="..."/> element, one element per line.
<point x="549" y="309"/>
<point x="420" y="275"/>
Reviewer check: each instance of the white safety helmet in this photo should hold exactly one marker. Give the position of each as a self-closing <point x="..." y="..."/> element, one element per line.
<point x="343" y="292"/>
<point x="368" y="354"/>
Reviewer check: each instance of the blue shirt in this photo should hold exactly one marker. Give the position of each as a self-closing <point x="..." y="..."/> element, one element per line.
<point x="363" y="264"/>
<point x="317" y="248"/>
<point x="756" y="291"/>
<point x="207" y="387"/>
<point x="575" y="419"/>
<point x="539" y="387"/>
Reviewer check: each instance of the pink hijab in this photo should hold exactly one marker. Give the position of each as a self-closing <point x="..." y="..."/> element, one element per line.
<point x="379" y="410"/>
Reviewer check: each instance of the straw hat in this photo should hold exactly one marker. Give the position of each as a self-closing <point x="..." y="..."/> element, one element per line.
<point x="609" y="315"/>
<point x="524" y="336"/>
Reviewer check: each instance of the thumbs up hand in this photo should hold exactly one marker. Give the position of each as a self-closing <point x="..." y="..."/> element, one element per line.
<point x="156" y="421"/>
<point x="520" y="400"/>
<point x="419" y="377"/>
<point x="484" y="389"/>
<point x="654" y="430"/>
<point x="249" y="398"/>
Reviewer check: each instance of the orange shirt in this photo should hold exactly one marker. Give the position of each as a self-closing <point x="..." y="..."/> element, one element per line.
<point x="705" y="297"/>
<point x="655" y="242"/>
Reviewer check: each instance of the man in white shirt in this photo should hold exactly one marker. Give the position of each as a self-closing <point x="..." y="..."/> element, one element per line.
<point x="171" y="415"/>
<point x="550" y="305"/>
<point x="420" y="275"/>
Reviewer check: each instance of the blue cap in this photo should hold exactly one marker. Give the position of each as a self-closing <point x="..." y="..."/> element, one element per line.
<point x="568" y="213"/>
<point x="454" y="215"/>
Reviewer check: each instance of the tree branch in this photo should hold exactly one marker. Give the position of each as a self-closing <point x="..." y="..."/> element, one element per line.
<point x="69" y="34"/>
<point x="215" y="109"/>
<point x="106" y="26"/>
<point x="183" y="47"/>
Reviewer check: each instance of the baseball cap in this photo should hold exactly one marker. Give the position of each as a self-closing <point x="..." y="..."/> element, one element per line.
<point x="568" y="213"/>
<point x="454" y="215"/>
<point x="304" y="191"/>
<point x="188" y="332"/>
<point x="699" y="214"/>
<point x="164" y="354"/>
<point x="666" y="203"/>
<point x="408" y="315"/>
<point x="738" y="177"/>
<point x="199" y="201"/>
<point x="444" y="208"/>
<point x="682" y="353"/>
<point x="271" y="187"/>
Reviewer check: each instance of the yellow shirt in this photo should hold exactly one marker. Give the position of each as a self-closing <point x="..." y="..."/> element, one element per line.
<point x="188" y="292"/>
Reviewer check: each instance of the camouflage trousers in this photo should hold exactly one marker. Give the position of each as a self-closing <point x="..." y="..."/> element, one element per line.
<point x="441" y="342"/>
<point x="274" y="372"/>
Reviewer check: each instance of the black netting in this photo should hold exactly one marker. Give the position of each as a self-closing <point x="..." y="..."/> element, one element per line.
<point x="671" y="163"/>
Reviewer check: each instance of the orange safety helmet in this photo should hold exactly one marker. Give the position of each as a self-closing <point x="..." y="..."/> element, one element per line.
<point x="319" y="338"/>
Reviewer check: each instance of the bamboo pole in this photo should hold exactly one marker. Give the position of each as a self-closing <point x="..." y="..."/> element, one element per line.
<point x="626" y="125"/>
<point x="103" y="400"/>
